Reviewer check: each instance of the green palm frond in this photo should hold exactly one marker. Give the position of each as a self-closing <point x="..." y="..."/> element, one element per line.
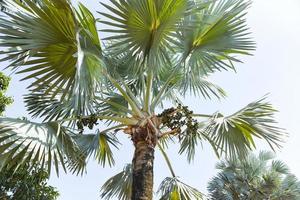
<point x="118" y="186"/>
<point x="169" y="86"/>
<point x="217" y="34"/>
<point x="143" y="28"/>
<point x="88" y="75"/>
<point x="174" y="189"/>
<point x="113" y="105"/>
<point x="47" y="144"/>
<point x="234" y="135"/>
<point x="42" y="104"/>
<point x="127" y="93"/>
<point x="189" y="143"/>
<point x="90" y="66"/>
<point x="98" y="145"/>
<point x="41" y="41"/>
<point x="202" y="87"/>
<point x="279" y="167"/>
<point x="87" y="21"/>
<point x="57" y="47"/>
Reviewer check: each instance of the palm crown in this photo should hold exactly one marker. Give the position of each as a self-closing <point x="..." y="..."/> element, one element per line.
<point x="154" y="51"/>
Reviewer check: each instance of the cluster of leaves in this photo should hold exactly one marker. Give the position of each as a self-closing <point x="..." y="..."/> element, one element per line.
<point x="4" y="100"/>
<point x="4" y="82"/>
<point x="26" y="184"/>
<point x="255" y="177"/>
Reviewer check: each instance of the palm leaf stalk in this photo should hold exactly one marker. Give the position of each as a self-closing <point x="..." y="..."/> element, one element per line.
<point x="155" y="52"/>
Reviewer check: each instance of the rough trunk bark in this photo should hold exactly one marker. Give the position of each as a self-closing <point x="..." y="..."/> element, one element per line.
<point x="144" y="140"/>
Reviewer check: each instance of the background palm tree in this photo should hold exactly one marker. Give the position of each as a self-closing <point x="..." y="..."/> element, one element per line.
<point x="155" y="52"/>
<point x="257" y="177"/>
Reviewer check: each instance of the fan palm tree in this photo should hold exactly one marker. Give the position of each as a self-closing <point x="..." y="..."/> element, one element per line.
<point x="255" y="178"/>
<point x="152" y="52"/>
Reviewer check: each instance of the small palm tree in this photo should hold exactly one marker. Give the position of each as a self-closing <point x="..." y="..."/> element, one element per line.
<point x="255" y="178"/>
<point x="154" y="51"/>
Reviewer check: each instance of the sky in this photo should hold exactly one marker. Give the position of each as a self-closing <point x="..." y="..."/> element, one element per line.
<point x="274" y="69"/>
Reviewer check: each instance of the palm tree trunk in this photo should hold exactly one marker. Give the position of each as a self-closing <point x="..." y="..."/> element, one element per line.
<point x="144" y="140"/>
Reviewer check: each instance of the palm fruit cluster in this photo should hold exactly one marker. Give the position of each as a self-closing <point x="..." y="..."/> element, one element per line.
<point x="179" y="119"/>
<point x="89" y="122"/>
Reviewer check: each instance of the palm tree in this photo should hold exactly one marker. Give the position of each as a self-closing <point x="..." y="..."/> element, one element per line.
<point x="153" y="52"/>
<point x="255" y="178"/>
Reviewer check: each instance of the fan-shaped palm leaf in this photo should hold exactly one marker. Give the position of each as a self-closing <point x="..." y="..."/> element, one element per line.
<point x="174" y="189"/>
<point x="234" y="135"/>
<point x="58" y="47"/>
<point x="144" y="27"/>
<point x="98" y="145"/>
<point x="48" y="143"/>
<point x="114" y="105"/>
<point x="47" y="36"/>
<point x="23" y="141"/>
<point x="217" y="33"/>
<point x="41" y="104"/>
<point x="119" y="185"/>
<point x="169" y="87"/>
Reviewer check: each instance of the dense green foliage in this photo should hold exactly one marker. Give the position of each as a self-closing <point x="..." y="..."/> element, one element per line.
<point x="255" y="178"/>
<point x="4" y="100"/>
<point x="25" y="184"/>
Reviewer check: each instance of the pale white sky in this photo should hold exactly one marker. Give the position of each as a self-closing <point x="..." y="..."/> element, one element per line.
<point x="273" y="69"/>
